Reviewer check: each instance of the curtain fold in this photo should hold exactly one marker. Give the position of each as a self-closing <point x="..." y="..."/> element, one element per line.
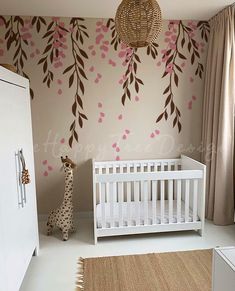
<point x="218" y="118"/>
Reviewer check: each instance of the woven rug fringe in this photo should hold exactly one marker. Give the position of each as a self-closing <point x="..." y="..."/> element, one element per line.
<point x="80" y="278"/>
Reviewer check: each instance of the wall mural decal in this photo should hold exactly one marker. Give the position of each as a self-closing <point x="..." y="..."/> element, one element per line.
<point x="95" y="98"/>
<point x="60" y="41"/>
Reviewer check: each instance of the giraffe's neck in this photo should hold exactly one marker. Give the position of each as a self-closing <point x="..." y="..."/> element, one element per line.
<point x="68" y="186"/>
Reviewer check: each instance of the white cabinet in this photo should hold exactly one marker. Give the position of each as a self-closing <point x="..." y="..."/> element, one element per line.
<point x="223" y="276"/>
<point x="18" y="211"/>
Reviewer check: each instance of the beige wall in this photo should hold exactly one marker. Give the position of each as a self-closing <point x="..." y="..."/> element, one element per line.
<point x="132" y="127"/>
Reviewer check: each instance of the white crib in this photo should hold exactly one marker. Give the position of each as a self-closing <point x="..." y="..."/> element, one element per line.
<point x="146" y="196"/>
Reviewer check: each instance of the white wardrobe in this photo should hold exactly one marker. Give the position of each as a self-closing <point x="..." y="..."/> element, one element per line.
<point x="18" y="212"/>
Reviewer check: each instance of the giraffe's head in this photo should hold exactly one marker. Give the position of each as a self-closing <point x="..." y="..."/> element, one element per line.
<point x="68" y="164"/>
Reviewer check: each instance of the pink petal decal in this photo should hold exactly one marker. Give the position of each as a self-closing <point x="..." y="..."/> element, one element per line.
<point x="157" y="132"/>
<point x="50" y="168"/>
<point x="114" y="145"/>
<point x="44" y="162"/>
<point x="117" y="158"/>
<point x="62" y="141"/>
<point x="45" y="174"/>
<point x="152" y="135"/>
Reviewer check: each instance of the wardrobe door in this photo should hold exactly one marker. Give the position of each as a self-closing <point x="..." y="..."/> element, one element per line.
<point x="18" y="203"/>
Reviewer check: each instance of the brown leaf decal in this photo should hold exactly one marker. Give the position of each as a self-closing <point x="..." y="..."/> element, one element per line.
<point x="77" y="74"/>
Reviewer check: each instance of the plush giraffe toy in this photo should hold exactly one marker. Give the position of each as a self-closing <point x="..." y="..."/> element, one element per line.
<point x="62" y="217"/>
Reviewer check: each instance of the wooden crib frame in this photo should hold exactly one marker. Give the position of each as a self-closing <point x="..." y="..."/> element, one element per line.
<point x="147" y="182"/>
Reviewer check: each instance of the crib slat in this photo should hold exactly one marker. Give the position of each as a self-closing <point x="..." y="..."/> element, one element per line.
<point x="168" y="166"/>
<point x="187" y="184"/>
<point x="145" y="202"/>
<point x="137" y="203"/>
<point x="178" y="201"/>
<point x="142" y="183"/>
<point x="128" y="193"/>
<point x="155" y="167"/>
<point x="176" y="166"/>
<point x="99" y="186"/>
<point x="103" y="214"/>
<point x="107" y="186"/>
<point x="120" y="203"/>
<point x="162" y="201"/>
<point x="154" y="201"/>
<point x="120" y="198"/>
<point x="111" y="189"/>
<point x="114" y="185"/>
<point x="170" y="200"/>
<point x="149" y="182"/>
<point x="195" y="193"/>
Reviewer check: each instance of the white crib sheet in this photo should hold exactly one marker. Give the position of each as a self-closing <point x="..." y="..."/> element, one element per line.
<point x="132" y="209"/>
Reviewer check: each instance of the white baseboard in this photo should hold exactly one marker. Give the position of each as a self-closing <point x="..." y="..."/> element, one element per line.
<point x="77" y="215"/>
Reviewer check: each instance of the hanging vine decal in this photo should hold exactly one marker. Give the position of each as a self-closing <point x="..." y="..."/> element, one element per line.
<point x="115" y="41"/>
<point x="178" y="36"/>
<point x="77" y="75"/>
<point x="54" y="51"/>
<point x="17" y="33"/>
<point x="152" y="50"/>
<point x="131" y="61"/>
<point x="204" y="27"/>
<point x="38" y="22"/>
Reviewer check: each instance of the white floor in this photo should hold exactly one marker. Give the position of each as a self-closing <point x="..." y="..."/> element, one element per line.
<point x="56" y="266"/>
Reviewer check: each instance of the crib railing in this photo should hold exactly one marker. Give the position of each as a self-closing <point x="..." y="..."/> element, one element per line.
<point x="137" y="187"/>
<point x="137" y="166"/>
<point x="110" y="186"/>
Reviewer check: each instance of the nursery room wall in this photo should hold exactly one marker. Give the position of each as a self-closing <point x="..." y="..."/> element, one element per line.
<point x="94" y="98"/>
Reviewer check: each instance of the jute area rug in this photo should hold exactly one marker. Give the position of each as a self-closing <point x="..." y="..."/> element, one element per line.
<point x="179" y="271"/>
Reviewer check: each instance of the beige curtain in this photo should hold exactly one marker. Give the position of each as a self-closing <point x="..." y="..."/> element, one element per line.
<point x="218" y="119"/>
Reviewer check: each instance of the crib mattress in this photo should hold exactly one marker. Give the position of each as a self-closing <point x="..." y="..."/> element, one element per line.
<point x="132" y="209"/>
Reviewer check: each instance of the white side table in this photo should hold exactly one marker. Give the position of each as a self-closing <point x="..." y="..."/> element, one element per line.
<point x="223" y="277"/>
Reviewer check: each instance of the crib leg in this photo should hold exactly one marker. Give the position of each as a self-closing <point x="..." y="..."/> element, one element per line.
<point x="201" y="232"/>
<point x="95" y="239"/>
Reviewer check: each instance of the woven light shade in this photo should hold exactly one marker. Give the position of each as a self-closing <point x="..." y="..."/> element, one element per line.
<point x="138" y="22"/>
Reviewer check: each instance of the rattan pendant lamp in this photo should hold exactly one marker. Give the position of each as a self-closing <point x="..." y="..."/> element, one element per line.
<point x="138" y="22"/>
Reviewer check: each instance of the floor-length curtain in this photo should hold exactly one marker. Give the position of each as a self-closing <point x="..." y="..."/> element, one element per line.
<point x="218" y="119"/>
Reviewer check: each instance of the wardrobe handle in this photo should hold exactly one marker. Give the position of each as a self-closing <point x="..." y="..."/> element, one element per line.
<point x="22" y="161"/>
<point x="18" y="180"/>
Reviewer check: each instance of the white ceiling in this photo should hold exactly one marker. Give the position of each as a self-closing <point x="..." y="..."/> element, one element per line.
<point x="171" y="9"/>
